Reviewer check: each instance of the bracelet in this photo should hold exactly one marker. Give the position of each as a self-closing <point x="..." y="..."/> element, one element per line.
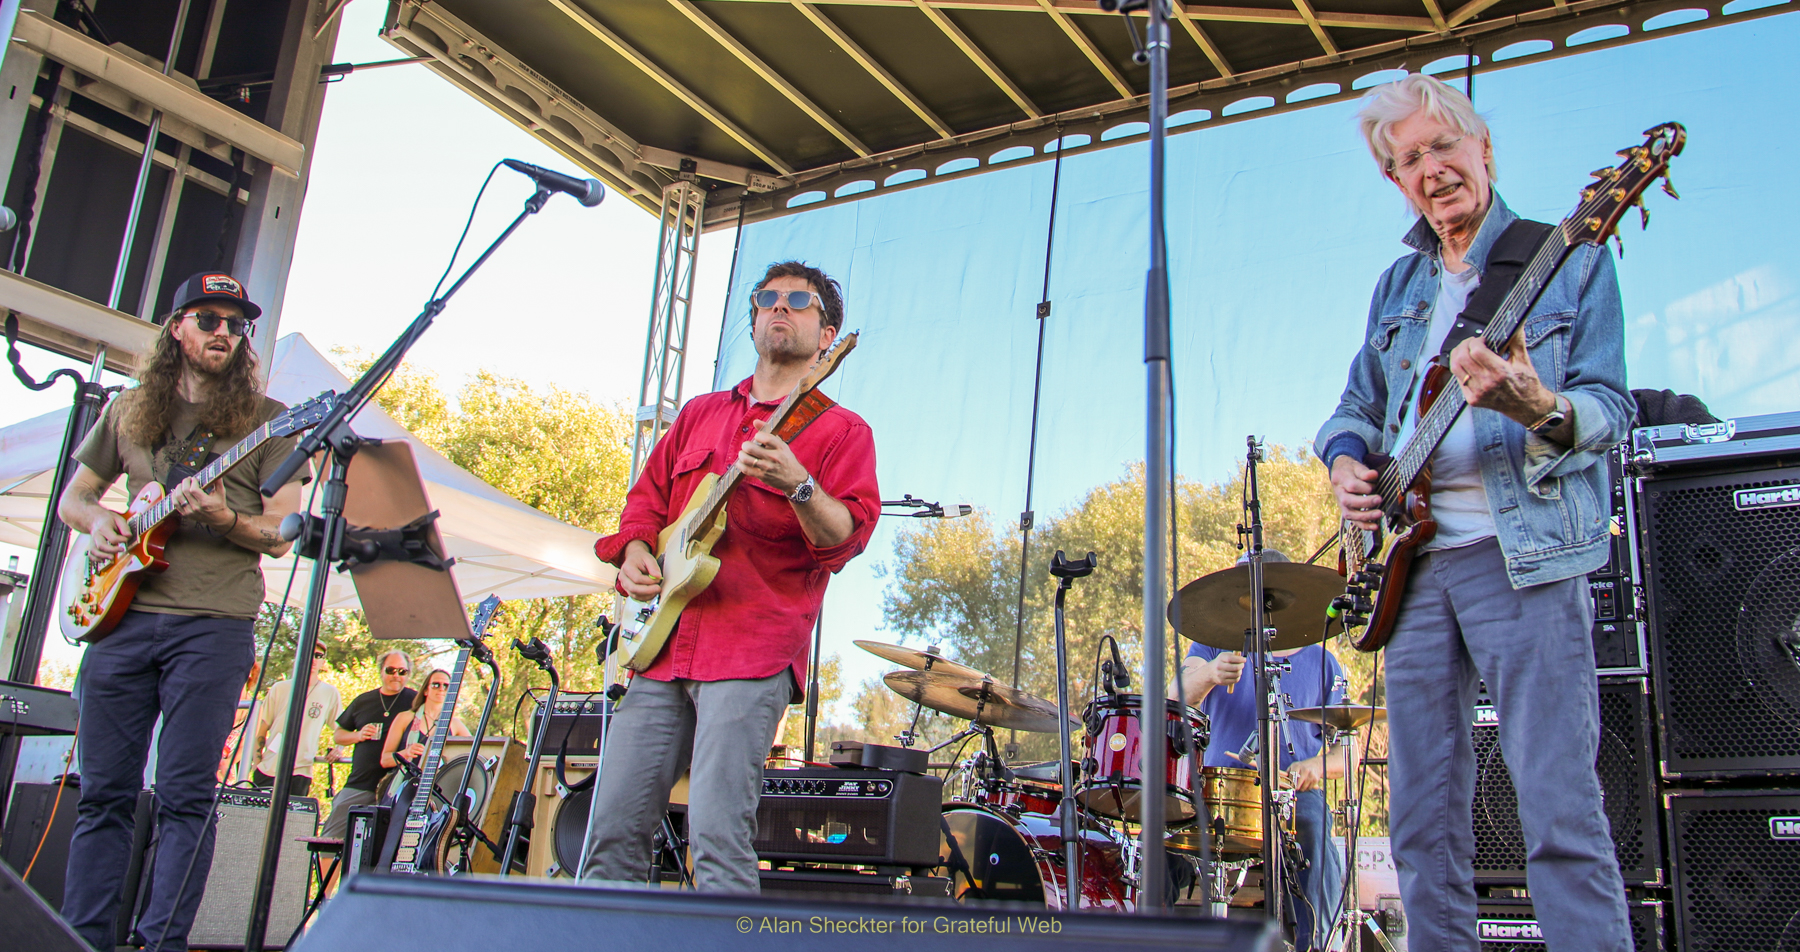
<point x="234" y="524"/>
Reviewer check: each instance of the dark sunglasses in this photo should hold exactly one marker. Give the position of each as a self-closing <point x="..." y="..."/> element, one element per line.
<point x="394" y="670"/>
<point x="796" y="300"/>
<point x="235" y="326"/>
<point x="440" y="685"/>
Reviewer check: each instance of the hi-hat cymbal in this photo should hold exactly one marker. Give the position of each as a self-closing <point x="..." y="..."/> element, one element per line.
<point x="927" y="660"/>
<point x="982" y="700"/>
<point x="1341" y="716"/>
<point x="1215" y="608"/>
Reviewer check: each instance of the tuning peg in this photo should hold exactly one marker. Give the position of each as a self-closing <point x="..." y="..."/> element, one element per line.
<point x="1627" y="153"/>
<point x="1668" y="188"/>
<point x="1604" y="173"/>
<point x="1619" y="242"/>
<point x="1643" y="215"/>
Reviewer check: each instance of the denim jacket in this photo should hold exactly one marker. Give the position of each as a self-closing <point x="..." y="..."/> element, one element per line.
<point x="1551" y="503"/>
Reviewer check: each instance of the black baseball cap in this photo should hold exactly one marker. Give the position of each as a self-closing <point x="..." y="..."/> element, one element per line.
<point x="214" y="286"/>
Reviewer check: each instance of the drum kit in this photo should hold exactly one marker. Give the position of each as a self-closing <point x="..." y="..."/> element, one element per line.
<point x="1008" y="825"/>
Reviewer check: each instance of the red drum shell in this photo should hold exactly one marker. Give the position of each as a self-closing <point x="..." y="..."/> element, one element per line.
<point x="1115" y="784"/>
<point x="1020" y="796"/>
<point x="1018" y="858"/>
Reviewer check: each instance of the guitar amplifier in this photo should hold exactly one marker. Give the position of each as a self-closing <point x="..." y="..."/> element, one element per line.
<point x="835" y="815"/>
<point x="1757" y="439"/>
<point x="1722" y="590"/>
<point x="37" y="815"/>
<point x="835" y="884"/>
<point x="242" y="818"/>
<point x="1511" y="925"/>
<point x="1735" y="864"/>
<point x="499" y="773"/>
<point x="1627" y="772"/>
<point x="575" y="722"/>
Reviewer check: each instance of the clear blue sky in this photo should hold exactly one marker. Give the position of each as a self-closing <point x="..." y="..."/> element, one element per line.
<point x="1278" y="228"/>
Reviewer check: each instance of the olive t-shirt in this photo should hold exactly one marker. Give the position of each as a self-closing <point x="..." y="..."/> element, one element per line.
<point x="207" y="575"/>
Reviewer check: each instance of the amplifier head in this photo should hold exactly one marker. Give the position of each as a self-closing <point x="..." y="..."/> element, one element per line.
<point x="832" y="815"/>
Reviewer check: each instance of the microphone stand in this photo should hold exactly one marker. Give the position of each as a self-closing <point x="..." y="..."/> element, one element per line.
<point x="479" y="650"/>
<point x="524" y="801"/>
<point x="1267" y="753"/>
<point x="334" y="434"/>
<point x="1067" y="572"/>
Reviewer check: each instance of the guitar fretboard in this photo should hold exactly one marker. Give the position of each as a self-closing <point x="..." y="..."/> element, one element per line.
<point x="421" y="804"/>
<point x="165" y="507"/>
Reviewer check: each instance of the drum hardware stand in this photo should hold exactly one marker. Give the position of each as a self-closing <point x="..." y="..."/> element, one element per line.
<point x="668" y="841"/>
<point x="1066" y="572"/>
<point x="335" y="435"/>
<point x="1268" y="682"/>
<point x="519" y="818"/>
<point x="1352" y="918"/>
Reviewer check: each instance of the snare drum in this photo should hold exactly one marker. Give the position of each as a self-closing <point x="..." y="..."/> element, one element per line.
<point x="994" y="855"/>
<point x="1019" y="796"/>
<point x="1234" y="797"/>
<point x="1112" y="778"/>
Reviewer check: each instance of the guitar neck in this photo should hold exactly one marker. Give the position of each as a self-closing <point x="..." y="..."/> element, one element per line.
<point x="164" y="508"/>
<point x="1435" y="422"/>
<point x="727" y="484"/>
<point x="433" y="754"/>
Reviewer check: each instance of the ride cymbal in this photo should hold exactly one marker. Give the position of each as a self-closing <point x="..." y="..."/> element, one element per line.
<point x="927" y="660"/>
<point x="1344" y="717"/>
<point x="982" y="700"/>
<point x="1215" y="608"/>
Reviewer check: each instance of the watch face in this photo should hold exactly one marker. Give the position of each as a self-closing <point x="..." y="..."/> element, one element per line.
<point x="802" y="492"/>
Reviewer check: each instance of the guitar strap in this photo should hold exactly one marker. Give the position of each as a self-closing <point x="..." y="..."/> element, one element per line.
<point x="1506" y="261"/>
<point x="199" y="447"/>
<point x="806" y="409"/>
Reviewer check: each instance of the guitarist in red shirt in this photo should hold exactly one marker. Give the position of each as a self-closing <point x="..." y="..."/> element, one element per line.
<point x="711" y="701"/>
<point x="184" y="647"/>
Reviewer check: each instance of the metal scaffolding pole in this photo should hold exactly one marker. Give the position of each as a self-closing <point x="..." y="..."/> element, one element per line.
<point x="665" y="348"/>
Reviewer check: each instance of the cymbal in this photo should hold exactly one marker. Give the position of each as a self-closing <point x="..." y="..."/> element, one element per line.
<point x="982" y="700"/>
<point x="927" y="660"/>
<point x="1341" y="716"/>
<point x="1215" y="608"/>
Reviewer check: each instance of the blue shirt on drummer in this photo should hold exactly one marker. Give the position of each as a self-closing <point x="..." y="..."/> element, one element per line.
<point x="1233" y="714"/>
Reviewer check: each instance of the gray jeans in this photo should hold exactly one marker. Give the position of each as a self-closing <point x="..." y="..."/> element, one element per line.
<point x="718" y="731"/>
<point x="1461" y="620"/>
<point x="337" y="825"/>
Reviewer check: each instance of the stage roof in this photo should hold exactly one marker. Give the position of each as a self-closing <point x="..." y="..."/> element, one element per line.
<point x="780" y="104"/>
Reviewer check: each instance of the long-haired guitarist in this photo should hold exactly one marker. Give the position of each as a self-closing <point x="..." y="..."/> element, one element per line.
<point x="183" y="648"/>
<point x="711" y="701"/>
<point x="1519" y="492"/>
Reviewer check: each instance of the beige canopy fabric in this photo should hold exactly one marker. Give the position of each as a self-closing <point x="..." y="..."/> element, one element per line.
<point x="501" y="545"/>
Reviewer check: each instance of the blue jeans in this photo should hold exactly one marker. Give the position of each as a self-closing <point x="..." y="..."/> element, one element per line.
<point x="189" y="669"/>
<point x="1461" y="620"/>
<point x="1321" y="886"/>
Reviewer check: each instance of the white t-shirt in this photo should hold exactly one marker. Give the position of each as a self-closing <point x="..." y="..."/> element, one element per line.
<point x="1458" y="500"/>
<point x="323" y="704"/>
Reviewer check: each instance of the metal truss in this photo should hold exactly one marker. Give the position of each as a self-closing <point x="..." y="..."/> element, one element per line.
<point x="665" y="348"/>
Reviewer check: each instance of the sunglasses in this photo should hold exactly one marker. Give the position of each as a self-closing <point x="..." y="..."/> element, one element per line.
<point x="796" y="300"/>
<point x="440" y="685"/>
<point x="235" y="326"/>
<point x="395" y="671"/>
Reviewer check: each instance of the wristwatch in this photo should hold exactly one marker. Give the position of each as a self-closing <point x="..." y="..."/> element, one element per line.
<point x="1558" y="415"/>
<point x="804" y="492"/>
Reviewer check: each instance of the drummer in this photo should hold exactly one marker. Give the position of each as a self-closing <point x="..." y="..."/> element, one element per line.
<point x="1316" y="679"/>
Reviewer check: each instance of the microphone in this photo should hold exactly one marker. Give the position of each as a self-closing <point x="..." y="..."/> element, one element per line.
<point x="962" y="508"/>
<point x="588" y="192"/>
<point x="8" y="220"/>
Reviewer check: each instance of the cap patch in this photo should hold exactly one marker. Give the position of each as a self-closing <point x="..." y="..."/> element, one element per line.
<point x="221" y="284"/>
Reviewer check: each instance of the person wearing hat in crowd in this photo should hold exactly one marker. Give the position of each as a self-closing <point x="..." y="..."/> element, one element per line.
<point x="184" y="646"/>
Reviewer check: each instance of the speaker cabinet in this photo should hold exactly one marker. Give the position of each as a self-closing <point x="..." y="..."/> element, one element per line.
<point x="1626" y="768"/>
<point x="242" y="817"/>
<point x="1618" y="618"/>
<point x="499" y="773"/>
<point x="1722" y="589"/>
<point x="1735" y="869"/>
<point x="38" y="816"/>
<point x="559" y="817"/>
<point x="1510" y="925"/>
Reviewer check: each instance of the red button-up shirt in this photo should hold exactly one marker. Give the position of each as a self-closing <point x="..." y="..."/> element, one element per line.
<point x="757" y="616"/>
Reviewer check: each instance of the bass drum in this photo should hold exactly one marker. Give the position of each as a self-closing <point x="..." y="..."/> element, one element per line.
<point x="990" y="855"/>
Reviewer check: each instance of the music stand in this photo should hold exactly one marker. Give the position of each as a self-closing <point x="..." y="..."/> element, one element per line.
<point x="415" y="595"/>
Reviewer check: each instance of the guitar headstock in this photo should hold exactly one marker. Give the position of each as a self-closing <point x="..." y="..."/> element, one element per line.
<point x="484" y="615"/>
<point x="1616" y="189"/>
<point x="827" y="363"/>
<point x="303" y="417"/>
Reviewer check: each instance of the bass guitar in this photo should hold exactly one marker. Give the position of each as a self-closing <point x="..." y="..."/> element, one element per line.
<point x="420" y="842"/>
<point x="684" y="549"/>
<point x="97" y="593"/>
<point x="1377" y="562"/>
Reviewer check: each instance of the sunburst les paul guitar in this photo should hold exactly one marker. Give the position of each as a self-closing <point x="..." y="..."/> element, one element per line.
<point x="96" y="592"/>
<point x="684" y="549"/>
<point x="1376" y="563"/>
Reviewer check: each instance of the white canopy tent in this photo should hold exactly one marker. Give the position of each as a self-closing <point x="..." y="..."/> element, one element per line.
<point x="501" y="545"/>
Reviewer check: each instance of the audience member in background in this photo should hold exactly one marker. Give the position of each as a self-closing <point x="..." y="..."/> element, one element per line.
<point x="363" y="723"/>
<point x="323" y="704"/>
<point x="411" y="731"/>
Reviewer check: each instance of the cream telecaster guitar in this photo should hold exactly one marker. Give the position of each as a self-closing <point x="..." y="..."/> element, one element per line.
<point x="684" y="549"/>
<point x="96" y="593"/>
